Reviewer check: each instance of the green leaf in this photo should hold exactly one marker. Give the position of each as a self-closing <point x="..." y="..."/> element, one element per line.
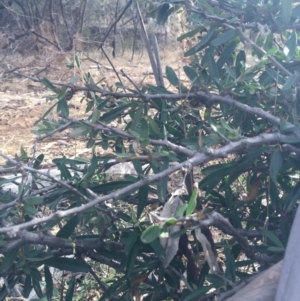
<point x="137" y="117"/>
<point x="62" y="107"/>
<point x="153" y="125"/>
<point x="37" y="287"/>
<point x="229" y="71"/>
<point x="172" y="77"/>
<point x="192" y="203"/>
<point x="178" y="233"/>
<point x="95" y="115"/>
<point x="138" y="166"/>
<point x="68" y="229"/>
<point x="181" y="210"/>
<point x="240" y="63"/>
<point x="226" y="54"/>
<point x="162" y="184"/>
<point x="9" y="259"/>
<point x="70" y="291"/>
<point x="162" y="14"/>
<point x="191" y="74"/>
<point x="223" y="38"/>
<point x="270" y="235"/>
<point x="230" y="264"/>
<point x="81" y="131"/>
<point x="49" y="283"/>
<point x="274" y="195"/>
<point x="5" y="181"/>
<point x="33" y="201"/>
<point x="132" y="258"/>
<point x="289" y="82"/>
<point x="212" y="67"/>
<point x="142" y="200"/>
<point x="286" y="13"/>
<point x="197" y="293"/>
<point x="68" y="264"/>
<point x="276" y="163"/>
<point x="290" y="46"/>
<point x="38" y="161"/>
<point x="292" y="198"/>
<point x="189" y="34"/>
<point x="202" y="44"/>
<point x="131" y="241"/>
<point x="171" y="221"/>
<point x="276" y="249"/>
<point x="48" y="84"/>
<point x="144" y="129"/>
<point x="158" y="249"/>
<point x="29" y="210"/>
<point x="150" y="234"/>
<point x="114" y="113"/>
<point x="27" y="286"/>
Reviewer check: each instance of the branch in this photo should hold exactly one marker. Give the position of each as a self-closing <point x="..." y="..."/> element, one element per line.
<point x="102" y="127"/>
<point x="201" y="96"/>
<point x="198" y="159"/>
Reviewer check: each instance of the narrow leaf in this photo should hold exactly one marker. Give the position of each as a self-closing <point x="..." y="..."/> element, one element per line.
<point x="290" y="46"/>
<point x="225" y="37"/>
<point x="191" y="73"/>
<point x="162" y="14"/>
<point x="132" y="258"/>
<point x="49" y="283"/>
<point x="70" y="291"/>
<point x="286" y="13"/>
<point x="172" y="77"/>
<point x="150" y="234"/>
<point x="192" y="203"/>
<point x="143" y="197"/>
<point x="230" y="264"/>
<point x="37" y="287"/>
<point x="270" y="235"/>
<point x="68" y="229"/>
<point x="68" y="264"/>
<point x="27" y="286"/>
<point x="212" y="67"/>
<point x="137" y="118"/>
<point x="113" y="114"/>
<point x="202" y="44"/>
<point x="38" y="161"/>
<point x="276" y="162"/>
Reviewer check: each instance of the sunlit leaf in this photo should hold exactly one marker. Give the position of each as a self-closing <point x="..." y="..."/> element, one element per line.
<point x="192" y="203"/>
<point x="150" y="234"/>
